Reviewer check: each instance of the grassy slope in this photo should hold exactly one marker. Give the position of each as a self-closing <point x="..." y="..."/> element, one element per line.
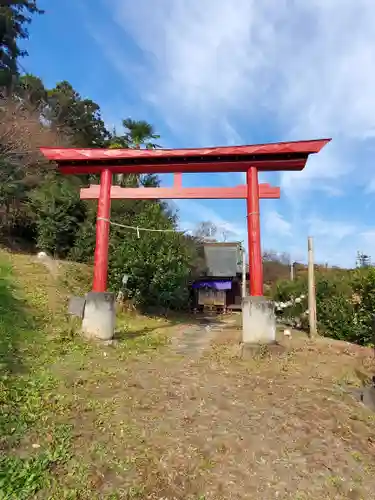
<point x="138" y="421"/>
<point x="42" y="360"/>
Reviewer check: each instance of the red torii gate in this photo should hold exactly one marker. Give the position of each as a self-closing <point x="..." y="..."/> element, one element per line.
<point x="291" y="156"/>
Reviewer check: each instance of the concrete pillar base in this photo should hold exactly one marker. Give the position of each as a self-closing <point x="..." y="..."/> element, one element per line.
<point x="258" y="321"/>
<point x="99" y="316"/>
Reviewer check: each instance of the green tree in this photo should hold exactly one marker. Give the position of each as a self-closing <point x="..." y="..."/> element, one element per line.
<point x="51" y="202"/>
<point x="345" y="303"/>
<point x="21" y="166"/>
<point x="84" y="246"/>
<point x="58" y="213"/>
<point x="15" y="16"/>
<point x="64" y="111"/>
<point x="31" y="90"/>
<point x="139" y="133"/>
<point x="77" y="118"/>
<point x="117" y="141"/>
<point x="13" y="195"/>
<point x="157" y="262"/>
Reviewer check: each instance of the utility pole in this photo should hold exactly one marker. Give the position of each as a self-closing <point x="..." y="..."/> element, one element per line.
<point x="291" y="270"/>
<point x="311" y="287"/>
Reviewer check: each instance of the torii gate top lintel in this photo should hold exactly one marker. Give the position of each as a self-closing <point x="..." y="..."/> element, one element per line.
<point x="265" y="157"/>
<point x="290" y="156"/>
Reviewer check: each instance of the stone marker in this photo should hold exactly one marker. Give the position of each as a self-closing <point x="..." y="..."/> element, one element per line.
<point x="76" y="306"/>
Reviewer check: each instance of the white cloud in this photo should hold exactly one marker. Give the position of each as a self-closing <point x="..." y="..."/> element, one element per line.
<point x="335" y="241"/>
<point x="334" y="230"/>
<point x="332" y="68"/>
<point x="275" y="223"/>
<point x="371" y="186"/>
<point x="322" y="173"/>
<point x="369" y="237"/>
<point x="202" y="62"/>
<point x="196" y="212"/>
<point x="309" y="65"/>
<point x="296" y="68"/>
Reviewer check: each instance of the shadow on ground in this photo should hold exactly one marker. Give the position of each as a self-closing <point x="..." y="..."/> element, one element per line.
<point x="125" y="334"/>
<point x="14" y="323"/>
<point x="170" y="321"/>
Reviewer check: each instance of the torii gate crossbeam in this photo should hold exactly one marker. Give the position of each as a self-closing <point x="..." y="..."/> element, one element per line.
<point x="179" y="193"/>
<point x="290" y="156"/>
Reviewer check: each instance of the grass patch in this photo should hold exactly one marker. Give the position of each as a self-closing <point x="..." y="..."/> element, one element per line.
<point x="13" y="322"/>
<point x="25" y="399"/>
<point x="45" y="366"/>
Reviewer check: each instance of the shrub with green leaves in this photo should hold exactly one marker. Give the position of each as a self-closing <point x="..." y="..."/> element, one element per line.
<point x="158" y="263"/>
<point x="58" y="212"/>
<point x="345" y="303"/>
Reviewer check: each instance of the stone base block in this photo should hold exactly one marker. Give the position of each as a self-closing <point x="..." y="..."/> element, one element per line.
<point x="99" y="316"/>
<point x="258" y="321"/>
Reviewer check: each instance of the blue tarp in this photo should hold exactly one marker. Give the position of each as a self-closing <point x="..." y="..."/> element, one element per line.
<point x="217" y="285"/>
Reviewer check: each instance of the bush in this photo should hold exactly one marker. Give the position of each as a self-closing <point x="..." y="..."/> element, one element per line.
<point x="345" y="303"/>
<point x="58" y="213"/>
<point x="158" y="263"/>
<point x="364" y="306"/>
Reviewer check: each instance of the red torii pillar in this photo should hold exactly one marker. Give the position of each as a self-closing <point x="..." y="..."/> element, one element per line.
<point x="102" y="233"/>
<point x="253" y="233"/>
<point x="250" y="159"/>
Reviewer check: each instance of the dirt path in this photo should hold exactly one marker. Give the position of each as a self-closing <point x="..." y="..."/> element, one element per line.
<point x="193" y="340"/>
<point x="194" y="422"/>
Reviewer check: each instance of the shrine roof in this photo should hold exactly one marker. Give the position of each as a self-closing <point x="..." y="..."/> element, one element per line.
<point x="272" y="156"/>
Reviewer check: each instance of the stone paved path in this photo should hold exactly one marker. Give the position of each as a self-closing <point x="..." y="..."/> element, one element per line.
<point x="194" y="339"/>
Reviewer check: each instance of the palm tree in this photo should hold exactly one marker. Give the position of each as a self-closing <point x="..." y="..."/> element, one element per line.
<point x="138" y="133"/>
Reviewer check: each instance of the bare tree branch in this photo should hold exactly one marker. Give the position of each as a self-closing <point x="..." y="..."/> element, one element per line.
<point x="22" y="133"/>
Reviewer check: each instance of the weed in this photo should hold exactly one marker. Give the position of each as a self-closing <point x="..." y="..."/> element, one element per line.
<point x="357" y="456"/>
<point x="28" y="401"/>
<point x="335" y="481"/>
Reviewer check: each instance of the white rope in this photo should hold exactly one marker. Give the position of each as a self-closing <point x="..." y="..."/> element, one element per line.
<point x="146" y="229"/>
<point x="137" y="228"/>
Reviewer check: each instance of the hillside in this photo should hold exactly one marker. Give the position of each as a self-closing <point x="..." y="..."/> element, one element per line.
<point x="171" y="411"/>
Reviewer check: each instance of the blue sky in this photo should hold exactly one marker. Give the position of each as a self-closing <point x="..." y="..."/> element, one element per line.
<point x="209" y="73"/>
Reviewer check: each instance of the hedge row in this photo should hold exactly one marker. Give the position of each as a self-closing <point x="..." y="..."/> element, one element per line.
<point x="345" y="303"/>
